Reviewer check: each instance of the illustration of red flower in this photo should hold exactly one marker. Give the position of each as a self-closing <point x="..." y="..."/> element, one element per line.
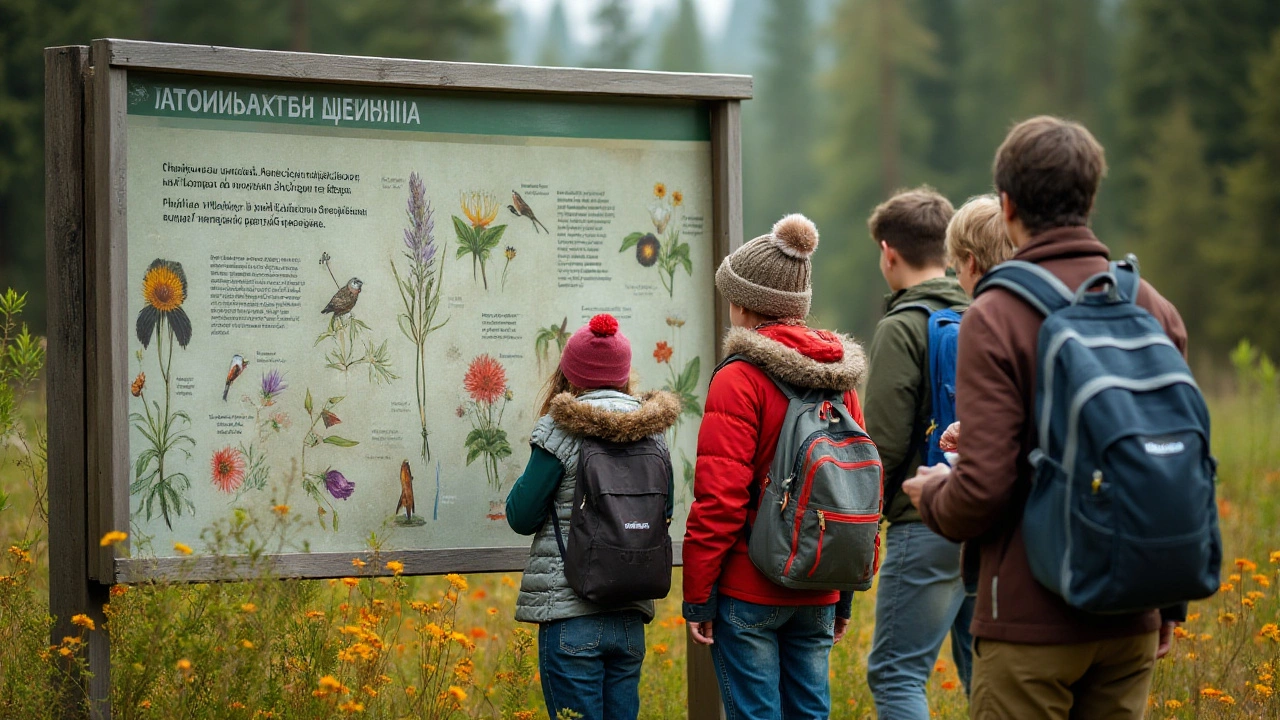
<point x="486" y="380"/>
<point x="227" y="469"/>
<point x="329" y="418"/>
<point x="662" y="353"/>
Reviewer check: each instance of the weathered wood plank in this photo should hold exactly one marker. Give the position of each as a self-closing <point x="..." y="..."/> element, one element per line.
<point x="237" y="62"/>
<point x="325" y="565"/>
<point x="70" y="590"/>
<point x="111" y="381"/>
<point x="726" y="182"/>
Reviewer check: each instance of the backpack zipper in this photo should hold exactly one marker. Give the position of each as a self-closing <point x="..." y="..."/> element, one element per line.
<point x="838" y="517"/>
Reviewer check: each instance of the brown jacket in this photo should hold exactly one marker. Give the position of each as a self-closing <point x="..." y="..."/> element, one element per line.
<point x="982" y="500"/>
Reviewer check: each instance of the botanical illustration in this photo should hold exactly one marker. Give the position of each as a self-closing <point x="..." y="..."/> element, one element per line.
<point x="509" y="254"/>
<point x="475" y="237"/>
<point x="553" y="333"/>
<point x="345" y="333"/>
<point x="420" y="291"/>
<point x="238" y="364"/>
<point x="268" y="422"/>
<point x="164" y="289"/>
<point x="520" y="208"/>
<point x="662" y="247"/>
<point x="486" y="386"/>
<point x="329" y="480"/>
<point x="682" y="384"/>
<point x="406" y="502"/>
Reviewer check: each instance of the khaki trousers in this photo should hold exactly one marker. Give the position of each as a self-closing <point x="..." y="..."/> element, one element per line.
<point x="1105" y="680"/>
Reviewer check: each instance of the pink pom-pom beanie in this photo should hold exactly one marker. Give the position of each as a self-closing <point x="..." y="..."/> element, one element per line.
<point x="598" y="355"/>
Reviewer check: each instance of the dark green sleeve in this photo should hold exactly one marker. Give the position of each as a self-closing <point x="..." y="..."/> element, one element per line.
<point x="530" y="498"/>
<point x="891" y="402"/>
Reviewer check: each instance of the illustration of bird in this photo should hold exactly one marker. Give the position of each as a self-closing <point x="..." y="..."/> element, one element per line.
<point x="238" y="364"/>
<point x="406" y="491"/>
<point x="522" y="209"/>
<point x="345" y="299"/>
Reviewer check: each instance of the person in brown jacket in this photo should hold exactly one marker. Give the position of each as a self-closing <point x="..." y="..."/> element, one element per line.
<point x="1034" y="656"/>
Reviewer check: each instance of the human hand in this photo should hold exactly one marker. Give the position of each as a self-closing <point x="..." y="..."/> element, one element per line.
<point x="702" y="632"/>
<point x="914" y="487"/>
<point x="841" y="627"/>
<point x="950" y="440"/>
<point x="1166" y="639"/>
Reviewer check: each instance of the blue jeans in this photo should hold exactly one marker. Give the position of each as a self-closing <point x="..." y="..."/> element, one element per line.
<point x="771" y="660"/>
<point x="591" y="665"/>
<point x="920" y="599"/>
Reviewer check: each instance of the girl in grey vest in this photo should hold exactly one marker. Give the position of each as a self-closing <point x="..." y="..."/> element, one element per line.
<point x="589" y="655"/>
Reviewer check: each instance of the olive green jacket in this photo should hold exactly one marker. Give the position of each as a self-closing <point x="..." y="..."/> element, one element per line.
<point x="896" y="400"/>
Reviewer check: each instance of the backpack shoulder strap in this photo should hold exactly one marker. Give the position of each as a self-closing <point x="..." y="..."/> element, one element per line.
<point x="1127" y="277"/>
<point x="785" y="387"/>
<point x="1040" y="288"/>
<point x="928" y="309"/>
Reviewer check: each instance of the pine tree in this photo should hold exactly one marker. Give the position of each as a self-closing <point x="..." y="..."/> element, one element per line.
<point x="1181" y="213"/>
<point x="682" y="49"/>
<point x="870" y="147"/>
<point x="782" y="123"/>
<point x="557" y="44"/>
<point x="617" y="45"/>
<point x="1247" y="253"/>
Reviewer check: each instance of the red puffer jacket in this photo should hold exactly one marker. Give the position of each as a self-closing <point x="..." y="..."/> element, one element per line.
<point x="743" y="416"/>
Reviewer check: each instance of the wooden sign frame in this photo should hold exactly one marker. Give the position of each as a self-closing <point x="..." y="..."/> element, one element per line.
<point x="86" y="241"/>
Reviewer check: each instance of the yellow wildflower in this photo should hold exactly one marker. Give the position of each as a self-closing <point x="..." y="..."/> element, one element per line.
<point x="1275" y="557"/>
<point x="1233" y="577"/>
<point x="184" y="665"/>
<point x="1263" y="690"/>
<point x="457" y="693"/>
<point x="410" y="691"/>
<point x="19" y="554"/>
<point x="248" y="608"/>
<point x="1227" y="587"/>
<point x="1227" y="618"/>
<point x="1271" y="631"/>
<point x="83" y="621"/>
<point x="358" y="563"/>
<point x="182" y="548"/>
<point x="1193" y="617"/>
<point x="113" y="537"/>
<point x="1246" y="565"/>
<point x="351" y="707"/>
<point x="1172" y="704"/>
<point x="246" y="644"/>
<point x="457" y="581"/>
<point x="1227" y="700"/>
<point x="350" y="581"/>
<point x="315" y="614"/>
<point x="145" y="704"/>
<point x="1262" y="580"/>
<point x="492" y="611"/>
<point x="1209" y="692"/>
<point x="660" y="649"/>
<point x="395" y="566"/>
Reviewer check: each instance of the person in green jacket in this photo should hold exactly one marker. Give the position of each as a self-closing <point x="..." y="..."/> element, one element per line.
<point x="920" y="597"/>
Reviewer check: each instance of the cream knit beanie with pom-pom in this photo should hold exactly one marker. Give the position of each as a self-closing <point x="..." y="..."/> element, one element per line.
<point x="770" y="274"/>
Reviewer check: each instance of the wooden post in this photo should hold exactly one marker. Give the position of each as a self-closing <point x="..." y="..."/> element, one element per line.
<point x="70" y="590"/>
<point x="726" y="179"/>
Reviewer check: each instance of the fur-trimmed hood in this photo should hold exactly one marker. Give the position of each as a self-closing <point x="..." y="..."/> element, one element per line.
<point x="801" y="356"/>
<point x="657" y="411"/>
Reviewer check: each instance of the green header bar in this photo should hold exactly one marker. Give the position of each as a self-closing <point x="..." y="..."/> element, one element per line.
<point x="430" y="111"/>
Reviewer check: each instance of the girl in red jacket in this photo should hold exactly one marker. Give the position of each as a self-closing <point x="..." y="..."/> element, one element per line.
<point x="770" y="644"/>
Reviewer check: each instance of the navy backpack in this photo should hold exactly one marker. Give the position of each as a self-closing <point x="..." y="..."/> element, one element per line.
<point x="944" y="334"/>
<point x="1121" y="516"/>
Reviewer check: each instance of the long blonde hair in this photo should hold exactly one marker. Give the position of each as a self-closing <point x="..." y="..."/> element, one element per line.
<point x="558" y="383"/>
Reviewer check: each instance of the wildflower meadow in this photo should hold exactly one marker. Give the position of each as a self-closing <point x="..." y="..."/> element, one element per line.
<point x="448" y="647"/>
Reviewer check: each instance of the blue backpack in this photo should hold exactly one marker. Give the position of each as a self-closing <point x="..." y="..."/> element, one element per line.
<point x="944" y="335"/>
<point x="1121" y="516"/>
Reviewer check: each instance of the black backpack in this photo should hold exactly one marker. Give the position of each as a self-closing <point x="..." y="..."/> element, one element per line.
<point x="619" y="549"/>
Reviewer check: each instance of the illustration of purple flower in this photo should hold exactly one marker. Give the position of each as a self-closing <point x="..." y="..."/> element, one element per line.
<point x="419" y="238"/>
<point x="338" y="485"/>
<point x="272" y="385"/>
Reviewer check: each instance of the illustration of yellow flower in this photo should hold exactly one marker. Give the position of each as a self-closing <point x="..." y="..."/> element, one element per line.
<point x="659" y="190"/>
<point x="164" y="288"/>
<point x="677" y="198"/>
<point x="480" y="207"/>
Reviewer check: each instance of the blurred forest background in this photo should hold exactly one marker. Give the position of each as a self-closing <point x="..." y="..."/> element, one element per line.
<point x="854" y="98"/>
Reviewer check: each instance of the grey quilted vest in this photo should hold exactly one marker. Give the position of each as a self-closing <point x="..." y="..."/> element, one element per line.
<point x="545" y="595"/>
